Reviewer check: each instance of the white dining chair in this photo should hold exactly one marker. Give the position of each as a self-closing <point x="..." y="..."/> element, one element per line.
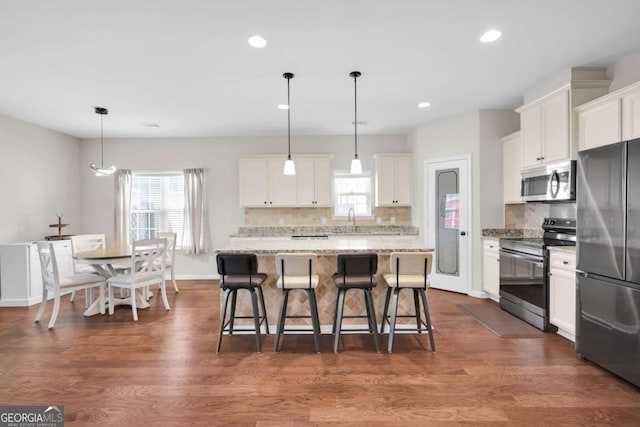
<point x="170" y="255"/>
<point x="85" y="243"/>
<point x="146" y="269"/>
<point x="52" y="282"/>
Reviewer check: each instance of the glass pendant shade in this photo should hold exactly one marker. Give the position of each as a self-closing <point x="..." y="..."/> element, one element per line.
<point x="101" y="170"/>
<point x="356" y="167"/>
<point x="289" y="167"/>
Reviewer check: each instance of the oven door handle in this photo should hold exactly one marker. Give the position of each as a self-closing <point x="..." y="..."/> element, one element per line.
<point x="529" y="258"/>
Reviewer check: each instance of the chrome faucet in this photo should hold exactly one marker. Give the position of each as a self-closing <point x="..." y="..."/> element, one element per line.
<point x="351" y="210"/>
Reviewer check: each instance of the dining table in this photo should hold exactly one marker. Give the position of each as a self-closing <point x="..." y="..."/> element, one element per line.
<point x="107" y="262"/>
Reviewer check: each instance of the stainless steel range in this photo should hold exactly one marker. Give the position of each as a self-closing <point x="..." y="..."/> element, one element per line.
<point x="524" y="271"/>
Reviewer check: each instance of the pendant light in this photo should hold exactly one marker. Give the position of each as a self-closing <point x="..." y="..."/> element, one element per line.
<point x="356" y="166"/>
<point x="102" y="171"/>
<point x="289" y="165"/>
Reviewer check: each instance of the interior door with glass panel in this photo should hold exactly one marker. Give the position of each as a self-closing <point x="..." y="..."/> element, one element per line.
<point x="446" y="212"/>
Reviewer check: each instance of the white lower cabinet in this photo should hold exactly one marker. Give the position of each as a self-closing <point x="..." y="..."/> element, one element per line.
<point x="491" y="268"/>
<point x="562" y="293"/>
<point x="20" y="273"/>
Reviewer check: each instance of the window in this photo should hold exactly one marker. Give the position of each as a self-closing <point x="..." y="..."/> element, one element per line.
<point x="352" y="191"/>
<point x="157" y="205"/>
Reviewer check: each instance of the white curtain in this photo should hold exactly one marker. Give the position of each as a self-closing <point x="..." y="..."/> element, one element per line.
<point x="123" y="206"/>
<point x="196" y="224"/>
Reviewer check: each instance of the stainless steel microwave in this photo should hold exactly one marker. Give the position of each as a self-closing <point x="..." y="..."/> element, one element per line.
<point x="549" y="183"/>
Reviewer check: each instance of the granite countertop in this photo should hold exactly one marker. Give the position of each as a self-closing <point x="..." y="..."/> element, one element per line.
<point x="284" y="231"/>
<point x="565" y="249"/>
<point x="498" y="233"/>
<point x="330" y="246"/>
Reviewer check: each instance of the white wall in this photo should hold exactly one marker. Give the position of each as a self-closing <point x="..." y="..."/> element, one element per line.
<point x="624" y="72"/>
<point x="476" y="133"/>
<point x="494" y="124"/>
<point x="219" y="156"/>
<point x="39" y="171"/>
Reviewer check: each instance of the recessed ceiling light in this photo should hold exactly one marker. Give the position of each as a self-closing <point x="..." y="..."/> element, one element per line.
<point x="283" y="106"/>
<point x="257" y="41"/>
<point x="150" y="125"/>
<point x="424" y="105"/>
<point x="490" y="36"/>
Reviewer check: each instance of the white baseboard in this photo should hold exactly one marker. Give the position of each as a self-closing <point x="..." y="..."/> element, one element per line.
<point x="478" y="294"/>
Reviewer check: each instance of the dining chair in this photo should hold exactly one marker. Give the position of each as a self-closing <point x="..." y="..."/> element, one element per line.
<point x="146" y="269"/>
<point x="85" y="243"/>
<point x="52" y="282"/>
<point x="409" y="270"/>
<point x="170" y="255"/>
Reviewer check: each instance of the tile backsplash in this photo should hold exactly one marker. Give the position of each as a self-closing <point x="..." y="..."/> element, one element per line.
<point x="315" y="216"/>
<point x="530" y="215"/>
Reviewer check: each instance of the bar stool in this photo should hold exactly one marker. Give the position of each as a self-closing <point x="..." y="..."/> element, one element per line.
<point x="355" y="271"/>
<point x="409" y="270"/>
<point x="240" y="271"/>
<point x="298" y="272"/>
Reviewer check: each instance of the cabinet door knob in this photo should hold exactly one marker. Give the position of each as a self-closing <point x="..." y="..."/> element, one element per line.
<point x="565" y="262"/>
<point x="265" y="202"/>
<point x="270" y="203"/>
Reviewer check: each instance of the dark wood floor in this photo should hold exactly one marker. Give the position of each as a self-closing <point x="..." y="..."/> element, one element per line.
<point x="163" y="370"/>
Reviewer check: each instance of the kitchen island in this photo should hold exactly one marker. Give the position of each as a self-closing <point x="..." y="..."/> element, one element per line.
<point x="327" y="249"/>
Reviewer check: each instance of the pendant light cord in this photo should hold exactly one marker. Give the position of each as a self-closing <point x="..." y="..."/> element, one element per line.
<point x="101" y="141"/>
<point x="355" y="122"/>
<point x="288" y="120"/>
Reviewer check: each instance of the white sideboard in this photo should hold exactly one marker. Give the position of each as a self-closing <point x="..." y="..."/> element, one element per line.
<point x="20" y="274"/>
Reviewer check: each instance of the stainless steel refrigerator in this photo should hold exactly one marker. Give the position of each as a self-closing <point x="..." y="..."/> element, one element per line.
<point x="608" y="278"/>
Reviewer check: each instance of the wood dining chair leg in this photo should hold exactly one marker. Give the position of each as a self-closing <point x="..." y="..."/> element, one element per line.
<point x="134" y="309"/>
<point x="40" y="312"/>
<point x="163" y="291"/>
<point x="173" y="279"/>
<point x="56" y="309"/>
<point x="102" y="297"/>
<point x="111" y="304"/>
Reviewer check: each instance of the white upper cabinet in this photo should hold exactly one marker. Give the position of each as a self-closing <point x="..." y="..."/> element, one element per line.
<point x="631" y="113"/>
<point x="282" y="188"/>
<point x="393" y="179"/>
<point x="600" y="125"/>
<point x="545" y="130"/>
<point x="263" y="184"/>
<point x="313" y="175"/>
<point x="609" y="119"/>
<point x="511" y="166"/>
<point x="253" y="182"/>
<point x="548" y="123"/>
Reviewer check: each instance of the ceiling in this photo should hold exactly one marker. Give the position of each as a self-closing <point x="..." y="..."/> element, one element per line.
<point x="186" y="64"/>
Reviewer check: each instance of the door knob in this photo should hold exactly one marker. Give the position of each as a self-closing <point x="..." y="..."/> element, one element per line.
<point x="463" y="233"/>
